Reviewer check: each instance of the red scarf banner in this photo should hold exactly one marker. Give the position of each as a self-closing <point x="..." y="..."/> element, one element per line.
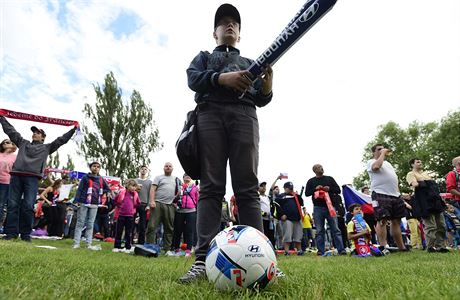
<point x="320" y="194"/>
<point x="34" y="118"/>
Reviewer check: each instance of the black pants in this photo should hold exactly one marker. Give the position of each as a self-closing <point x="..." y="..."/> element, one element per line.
<point x="125" y="223"/>
<point x="102" y="221"/>
<point x="142" y="226"/>
<point x="269" y="232"/>
<point x="55" y="217"/>
<point x="184" y="223"/>
<point x="227" y="133"/>
<point x="370" y="220"/>
<point x="343" y="230"/>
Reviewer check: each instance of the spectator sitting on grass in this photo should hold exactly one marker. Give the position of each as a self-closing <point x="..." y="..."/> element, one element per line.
<point x="358" y="232"/>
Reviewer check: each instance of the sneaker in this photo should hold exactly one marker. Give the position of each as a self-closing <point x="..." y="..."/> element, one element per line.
<point x="117" y="250"/>
<point x="170" y="253"/>
<point x="286" y="253"/>
<point x="94" y="247"/>
<point x="279" y="273"/>
<point x="76" y="247"/>
<point x="129" y="251"/>
<point x="443" y="250"/>
<point x="300" y="253"/>
<point x="9" y="237"/>
<point x="197" y="271"/>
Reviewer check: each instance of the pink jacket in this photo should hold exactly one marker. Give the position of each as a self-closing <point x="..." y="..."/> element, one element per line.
<point x="190" y="196"/>
<point x="6" y="164"/>
<point x="119" y="202"/>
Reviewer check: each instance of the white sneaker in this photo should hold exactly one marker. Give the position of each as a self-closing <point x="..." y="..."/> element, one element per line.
<point x="170" y="253"/>
<point x="129" y="251"/>
<point x="95" y="247"/>
<point x="76" y="247"/>
<point x="117" y="250"/>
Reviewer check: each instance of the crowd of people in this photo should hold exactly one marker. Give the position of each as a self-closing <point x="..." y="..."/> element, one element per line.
<point x="163" y="211"/>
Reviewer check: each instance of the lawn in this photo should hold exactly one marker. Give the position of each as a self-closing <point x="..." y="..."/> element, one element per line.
<point x="28" y="272"/>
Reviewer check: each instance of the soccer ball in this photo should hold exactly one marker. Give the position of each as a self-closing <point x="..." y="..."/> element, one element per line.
<point x="241" y="257"/>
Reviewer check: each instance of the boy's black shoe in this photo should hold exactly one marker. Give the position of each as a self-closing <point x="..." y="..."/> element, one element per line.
<point x="443" y="250"/>
<point x="431" y="250"/>
<point x="197" y="271"/>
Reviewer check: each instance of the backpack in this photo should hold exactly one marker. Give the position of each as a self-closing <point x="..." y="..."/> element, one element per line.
<point x="187" y="146"/>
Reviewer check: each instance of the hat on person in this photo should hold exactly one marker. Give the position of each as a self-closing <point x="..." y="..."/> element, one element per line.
<point x="289" y="185"/>
<point x="263" y="183"/>
<point x="227" y="10"/>
<point x="35" y="130"/>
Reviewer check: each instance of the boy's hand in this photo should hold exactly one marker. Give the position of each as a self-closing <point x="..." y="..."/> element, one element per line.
<point x="238" y="80"/>
<point x="267" y="80"/>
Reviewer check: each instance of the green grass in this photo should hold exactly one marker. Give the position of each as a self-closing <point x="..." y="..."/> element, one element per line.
<point x="27" y="272"/>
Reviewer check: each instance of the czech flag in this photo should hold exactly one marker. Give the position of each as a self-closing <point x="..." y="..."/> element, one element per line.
<point x="351" y="196"/>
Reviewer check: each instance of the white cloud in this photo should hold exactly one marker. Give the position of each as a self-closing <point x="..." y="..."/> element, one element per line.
<point x="363" y="64"/>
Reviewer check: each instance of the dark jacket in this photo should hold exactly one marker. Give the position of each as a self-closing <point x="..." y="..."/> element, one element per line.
<point x="334" y="189"/>
<point x="288" y="206"/>
<point x="83" y="186"/>
<point x="426" y="199"/>
<point x="204" y="71"/>
<point x="31" y="158"/>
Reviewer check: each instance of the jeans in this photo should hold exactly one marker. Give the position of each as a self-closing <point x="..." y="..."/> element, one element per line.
<point x="85" y="216"/>
<point x="307" y="237"/>
<point x="320" y="214"/>
<point x="4" y="191"/>
<point x="20" y="214"/>
<point x="227" y="133"/>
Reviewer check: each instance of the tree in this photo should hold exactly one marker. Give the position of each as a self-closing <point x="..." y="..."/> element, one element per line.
<point x="70" y="165"/>
<point x="53" y="161"/>
<point x="444" y="144"/>
<point x="123" y="134"/>
<point x="404" y="144"/>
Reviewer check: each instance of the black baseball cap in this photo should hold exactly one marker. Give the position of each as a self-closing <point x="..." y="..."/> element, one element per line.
<point x="35" y="130"/>
<point x="226" y="10"/>
<point x="263" y="183"/>
<point x="289" y="185"/>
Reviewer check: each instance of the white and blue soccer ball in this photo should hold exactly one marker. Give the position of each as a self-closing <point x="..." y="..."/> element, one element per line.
<point x="241" y="257"/>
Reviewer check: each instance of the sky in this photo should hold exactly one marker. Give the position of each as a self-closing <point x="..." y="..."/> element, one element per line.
<point x="364" y="64"/>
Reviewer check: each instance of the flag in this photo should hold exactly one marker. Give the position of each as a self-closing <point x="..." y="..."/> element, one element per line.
<point x="352" y="196"/>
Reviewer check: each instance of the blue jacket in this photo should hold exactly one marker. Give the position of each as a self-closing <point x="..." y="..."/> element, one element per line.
<point x="83" y="186"/>
<point x="203" y="74"/>
<point x="288" y="207"/>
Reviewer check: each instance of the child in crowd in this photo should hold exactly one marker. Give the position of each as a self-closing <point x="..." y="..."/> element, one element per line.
<point x="92" y="191"/>
<point x="452" y="226"/>
<point x="358" y="232"/>
<point x="126" y="204"/>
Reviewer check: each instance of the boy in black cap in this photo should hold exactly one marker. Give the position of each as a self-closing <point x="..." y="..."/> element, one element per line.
<point x="291" y="216"/>
<point x="228" y="130"/>
<point x="27" y="172"/>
